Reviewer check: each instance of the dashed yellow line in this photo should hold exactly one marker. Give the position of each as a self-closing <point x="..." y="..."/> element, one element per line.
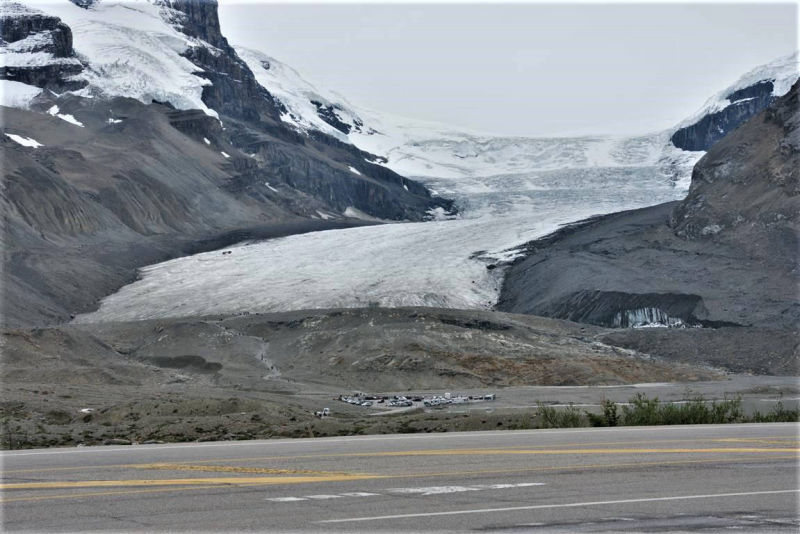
<point x="235" y="469"/>
<point x="182" y="482"/>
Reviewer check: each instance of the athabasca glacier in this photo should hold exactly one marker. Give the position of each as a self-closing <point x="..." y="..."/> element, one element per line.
<point x="509" y="191"/>
<point x="438" y="263"/>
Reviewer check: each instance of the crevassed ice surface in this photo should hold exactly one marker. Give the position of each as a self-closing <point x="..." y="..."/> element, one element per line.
<point x="440" y="263"/>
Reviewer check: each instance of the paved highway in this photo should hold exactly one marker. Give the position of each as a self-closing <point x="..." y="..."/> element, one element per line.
<point x="686" y="478"/>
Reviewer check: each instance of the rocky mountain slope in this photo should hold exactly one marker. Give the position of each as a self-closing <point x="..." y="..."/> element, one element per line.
<point x="726" y="255"/>
<point x="165" y="143"/>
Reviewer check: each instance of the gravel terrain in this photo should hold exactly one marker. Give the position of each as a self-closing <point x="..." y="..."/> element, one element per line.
<point x="237" y="377"/>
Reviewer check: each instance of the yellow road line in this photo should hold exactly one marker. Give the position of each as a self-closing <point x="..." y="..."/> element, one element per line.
<point x="352" y="454"/>
<point x="101" y="494"/>
<point x="181" y="482"/>
<point x="575" y="467"/>
<point x="586" y="466"/>
<point x="778" y="441"/>
<point x="235" y="469"/>
<point x="490" y="452"/>
<point x="518" y="447"/>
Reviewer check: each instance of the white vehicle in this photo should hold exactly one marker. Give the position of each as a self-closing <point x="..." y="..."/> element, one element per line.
<point x="324" y="413"/>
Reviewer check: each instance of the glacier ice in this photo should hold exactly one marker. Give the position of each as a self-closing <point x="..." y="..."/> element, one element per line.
<point x="438" y="263"/>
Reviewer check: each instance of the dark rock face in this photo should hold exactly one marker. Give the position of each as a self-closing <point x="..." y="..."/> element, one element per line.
<point x="83" y="3"/>
<point x="329" y="115"/>
<point x="744" y="103"/>
<point x="199" y="18"/>
<point x="726" y="255"/>
<point x="234" y="90"/>
<point x="27" y="30"/>
<point x="315" y="165"/>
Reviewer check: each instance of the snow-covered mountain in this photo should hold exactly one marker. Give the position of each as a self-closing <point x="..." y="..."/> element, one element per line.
<point x="160" y="50"/>
<point x="729" y="108"/>
<point x="427" y="149"/>
<point x="173" y="52"/>
<point x="131" y="48"/>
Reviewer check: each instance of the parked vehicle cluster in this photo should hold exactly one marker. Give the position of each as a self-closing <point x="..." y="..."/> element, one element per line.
<point x="361" y="399"/>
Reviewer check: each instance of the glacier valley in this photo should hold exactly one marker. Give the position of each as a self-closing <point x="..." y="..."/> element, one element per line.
<point x="444" y="263"/>
<point x="508" y="190"/>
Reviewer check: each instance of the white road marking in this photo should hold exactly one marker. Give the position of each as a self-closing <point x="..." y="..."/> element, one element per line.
<point x="434" y="490"/>
<point x="439" y="490"/>
<point x="430" y="490"/>
<point x="520" y="485"/>
<point x="390" y="437"/>
<point x="562" y="505"/>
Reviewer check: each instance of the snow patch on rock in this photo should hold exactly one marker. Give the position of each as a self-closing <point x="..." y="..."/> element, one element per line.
<point x="24" y="141"/>
<point x="54" y="111"/>
<point x="17" y="94"/>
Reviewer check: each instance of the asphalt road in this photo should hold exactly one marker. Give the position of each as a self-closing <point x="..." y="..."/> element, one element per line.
<point x="691" y="478"/>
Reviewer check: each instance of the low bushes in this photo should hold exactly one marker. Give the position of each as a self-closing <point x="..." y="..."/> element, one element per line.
<point x="641" y="410"/>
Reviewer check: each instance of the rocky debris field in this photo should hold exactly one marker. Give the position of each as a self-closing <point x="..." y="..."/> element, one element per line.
<point x="265" y="375"/>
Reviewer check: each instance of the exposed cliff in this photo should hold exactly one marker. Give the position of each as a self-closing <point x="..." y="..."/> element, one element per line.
<point x="711" y="128"/>
<point x="37" y="49"/>
<point x="730" y="108"/>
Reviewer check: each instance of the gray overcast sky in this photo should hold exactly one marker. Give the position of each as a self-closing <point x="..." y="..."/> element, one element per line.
<point x="521" y="69"/>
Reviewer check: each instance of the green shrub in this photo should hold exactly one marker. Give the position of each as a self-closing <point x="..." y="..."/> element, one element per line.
<point x="645" y="411"/>
<point x="609" y="417"/>
<point x="778" y="414"/>
<point x="641" y="411"/>
<point x="569" y="417"/>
